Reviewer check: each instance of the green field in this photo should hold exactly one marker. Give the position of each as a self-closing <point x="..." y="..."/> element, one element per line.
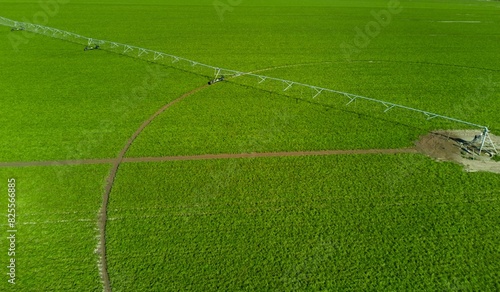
<point x="305" y="224"/>
<point x="56" y="228"/>
<point x="334" y="223"/>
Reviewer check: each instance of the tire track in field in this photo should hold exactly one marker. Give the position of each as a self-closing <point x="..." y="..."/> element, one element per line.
<point x="103" y="217"/>
<point x="103" y="267"/>
<point x="273" y="154"/>
<point x="410" y="150"/>
<point x="116" y="162"/>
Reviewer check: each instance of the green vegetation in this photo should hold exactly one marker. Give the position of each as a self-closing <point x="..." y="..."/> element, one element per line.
<point x="383" y="222"/>
<point x="496" y="158"/>
<point x="75" y="104"/>
<point x="88" y="111"/>
<point x="365" y="222"/>
<point x="56" y="210"/>
<point x="232" y="119"/>
<point x="463" y="92"/>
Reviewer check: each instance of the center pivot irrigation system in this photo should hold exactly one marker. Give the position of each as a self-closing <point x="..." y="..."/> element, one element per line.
<point x="484" y="143"/>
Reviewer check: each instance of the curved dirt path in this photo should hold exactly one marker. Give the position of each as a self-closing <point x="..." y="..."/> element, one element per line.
<point x="103" y="268"/>
<point x="109" y="186"/>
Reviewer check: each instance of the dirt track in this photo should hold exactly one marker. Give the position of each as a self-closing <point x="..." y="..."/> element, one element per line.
<point x="207" y="157"/>
<point x="116" y="162"/>
<point x="111" y="179"/>
<point x="272" y="154"/>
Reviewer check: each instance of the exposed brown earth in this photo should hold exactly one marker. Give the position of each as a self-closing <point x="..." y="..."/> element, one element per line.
<point x="450" y="146"/>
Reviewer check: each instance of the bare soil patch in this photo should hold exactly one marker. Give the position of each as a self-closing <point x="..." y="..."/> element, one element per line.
<point x="450" y="145"/>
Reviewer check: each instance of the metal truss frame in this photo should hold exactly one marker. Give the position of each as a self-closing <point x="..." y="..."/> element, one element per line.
<point x="155" y="56"/>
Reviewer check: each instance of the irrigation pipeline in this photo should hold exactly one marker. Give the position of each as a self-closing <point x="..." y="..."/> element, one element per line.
<point x="173" y="61"/>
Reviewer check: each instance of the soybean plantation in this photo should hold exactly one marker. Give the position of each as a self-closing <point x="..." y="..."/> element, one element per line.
<point x="133" y="174"/>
